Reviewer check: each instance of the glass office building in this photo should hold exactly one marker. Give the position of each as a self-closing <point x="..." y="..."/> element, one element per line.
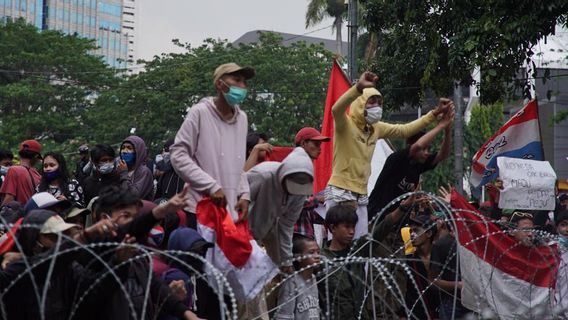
<point x="100" y="20"/>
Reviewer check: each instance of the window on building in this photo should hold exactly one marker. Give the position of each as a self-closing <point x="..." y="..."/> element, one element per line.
<point x="110" y="9"/>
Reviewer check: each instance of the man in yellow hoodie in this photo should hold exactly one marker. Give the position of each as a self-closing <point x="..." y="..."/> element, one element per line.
<point x="355" y="136"/>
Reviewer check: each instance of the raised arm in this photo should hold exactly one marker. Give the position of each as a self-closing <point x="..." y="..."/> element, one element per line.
<point x="427" y="139"/>
<point x="444" y="152"/>
<point x="388" y="130"/>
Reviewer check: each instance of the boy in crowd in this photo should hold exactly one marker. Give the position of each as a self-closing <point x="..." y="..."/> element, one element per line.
<point x="421" y="298"/>
<point x="107" y="171"/>
<point x="21" y="181"/>
<point x="345" y="290"/>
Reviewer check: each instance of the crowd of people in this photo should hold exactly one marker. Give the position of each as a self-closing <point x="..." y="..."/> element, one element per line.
<point x="120" y="237"/>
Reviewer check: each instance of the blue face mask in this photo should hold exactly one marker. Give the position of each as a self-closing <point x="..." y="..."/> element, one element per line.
<point x="51" y="175"/>
<point x="235" y="95"/>
<point x="128" y="157"/>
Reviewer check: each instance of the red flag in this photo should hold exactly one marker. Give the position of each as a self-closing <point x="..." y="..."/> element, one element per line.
<point x="338" y="85"/>
<point x="279" y="153"/>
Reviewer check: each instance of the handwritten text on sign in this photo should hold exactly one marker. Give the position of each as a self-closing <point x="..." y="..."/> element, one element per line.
<point x="527" y="184"/>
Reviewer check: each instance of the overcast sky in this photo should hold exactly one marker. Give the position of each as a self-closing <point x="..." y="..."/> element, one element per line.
<point x="160" y="21"/>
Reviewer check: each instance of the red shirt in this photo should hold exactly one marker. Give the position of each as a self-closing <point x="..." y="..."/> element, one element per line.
<point x="18" y="183"/>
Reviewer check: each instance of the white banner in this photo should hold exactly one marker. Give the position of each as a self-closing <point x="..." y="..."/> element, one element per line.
<point x="527" y="184"/>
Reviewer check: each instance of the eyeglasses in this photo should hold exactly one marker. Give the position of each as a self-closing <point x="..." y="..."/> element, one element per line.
<point x="518" y="215"/>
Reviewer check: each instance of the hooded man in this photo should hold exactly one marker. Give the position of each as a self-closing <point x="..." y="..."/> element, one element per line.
<point x="209" y="148"/>
<point x="355" y="137"/>
<point x="278" y="193"/>
<point x="133" y="154"/>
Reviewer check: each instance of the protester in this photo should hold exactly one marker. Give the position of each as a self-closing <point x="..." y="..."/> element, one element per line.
<point x="107" y="171"/>
<point x="522" y="224"/>
<point x="344" y="289"/>
<point x="355" y="137"/>
<point x="133" y="152"/>
<point x="444" y="268"/>
<point x="6" y="158"/>
<point x="421" y="298"/>
<point x="298" y="296"/>
<point x="278" y="193"/>
<point x="402" y="169"/>
<point x="310" y="140"/>
<point x="209" y="148"/>
<point x="83" y="169"/>
<point x="21" y="181"/>
<point x="257" y="149"/>
<point x="184" y="266"/>
<point x="37" y="240"/>
<point x="131" y="223"/>
<point x="55" y="180"/>
<point x="169" y="182"/>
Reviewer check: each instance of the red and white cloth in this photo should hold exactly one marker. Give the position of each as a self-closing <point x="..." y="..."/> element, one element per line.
<point x="499" y="274"/>
<point x="236" y="254"/>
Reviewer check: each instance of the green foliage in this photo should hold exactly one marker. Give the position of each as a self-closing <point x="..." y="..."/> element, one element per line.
<point x="287" y="93"/>
<point x="484" y="122"/>
<point x="45" y="81"/>
<point x="52" y="89"/>
<point x="430" y="44"/>
<point x="560" y="116"/>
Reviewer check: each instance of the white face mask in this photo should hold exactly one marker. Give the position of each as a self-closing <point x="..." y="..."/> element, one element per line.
<point x="374" y="114"/>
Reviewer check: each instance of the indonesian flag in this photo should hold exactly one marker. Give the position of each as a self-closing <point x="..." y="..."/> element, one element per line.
<point x="338" y="85"/>
<point x="236" y="254"/>
<point x="498" y="273"/>
<point x="517" y="138"/>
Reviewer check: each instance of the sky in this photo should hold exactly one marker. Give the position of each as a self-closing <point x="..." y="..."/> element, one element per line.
<point x="160" y="21"/>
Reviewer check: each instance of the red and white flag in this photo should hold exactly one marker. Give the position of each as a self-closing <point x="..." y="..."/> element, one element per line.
<point x="511" y="280"/>
<point x="517" y="138"/>
<point x="236" y="254"/>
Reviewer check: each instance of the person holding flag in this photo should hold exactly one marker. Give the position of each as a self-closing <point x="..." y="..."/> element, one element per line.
<point x="355" y="136"/>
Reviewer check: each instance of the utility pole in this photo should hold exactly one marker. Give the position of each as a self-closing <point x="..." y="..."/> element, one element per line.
<point x="458" y="138"/>
<point x="353" y="26"/>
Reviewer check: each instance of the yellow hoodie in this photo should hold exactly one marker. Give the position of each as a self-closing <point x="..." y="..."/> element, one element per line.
<point x="354" y="140"/>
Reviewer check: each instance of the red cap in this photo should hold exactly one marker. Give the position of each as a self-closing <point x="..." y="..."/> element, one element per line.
<point x="31" y="145"/>
<point x="309" y="133"/>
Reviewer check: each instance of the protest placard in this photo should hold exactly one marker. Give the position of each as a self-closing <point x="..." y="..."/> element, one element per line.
<point x="527" y="184"/>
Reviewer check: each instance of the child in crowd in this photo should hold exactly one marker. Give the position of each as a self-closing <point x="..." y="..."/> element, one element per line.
<point x="298" y="297"/>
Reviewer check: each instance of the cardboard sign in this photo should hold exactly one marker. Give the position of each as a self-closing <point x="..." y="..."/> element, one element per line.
<point x="527" y="184"/>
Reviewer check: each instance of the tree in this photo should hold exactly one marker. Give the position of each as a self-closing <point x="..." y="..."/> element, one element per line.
<point x="320" y="9"/>
<point x="287" y="93"/>
<point x="46" y="79"/>
<point x="431" y="44"/>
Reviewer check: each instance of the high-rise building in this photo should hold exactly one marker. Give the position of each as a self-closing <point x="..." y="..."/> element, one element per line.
<point x="101" y="20"/>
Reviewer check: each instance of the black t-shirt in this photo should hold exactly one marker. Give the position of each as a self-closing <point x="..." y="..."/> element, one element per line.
<point x="400" y="175"/>
<point x="443" y="262"/>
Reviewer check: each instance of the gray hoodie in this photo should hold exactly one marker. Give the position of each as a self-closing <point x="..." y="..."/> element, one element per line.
<point x="271" y="206"/>
<point x="141" y="177"/>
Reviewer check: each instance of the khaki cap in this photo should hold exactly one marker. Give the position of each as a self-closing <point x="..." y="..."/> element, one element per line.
<point x="231" y="67"/>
